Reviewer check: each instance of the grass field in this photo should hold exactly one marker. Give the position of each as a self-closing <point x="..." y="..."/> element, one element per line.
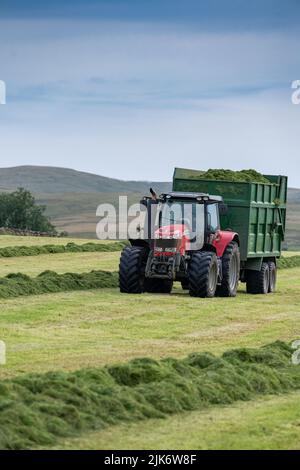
<point x="11" y="240"/>
<point x="288" y="254"/>
<point x="269" y="423"/>
<point x="73" y="330"/>
<point x="67" y="262"/>
<point x="93" y="328"/>
<point x="61" y="263"/>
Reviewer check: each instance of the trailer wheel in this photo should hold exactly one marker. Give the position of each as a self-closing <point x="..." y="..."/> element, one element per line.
<point x="258" y="281"/>
<point x="203" y="274"/>
<point x="230" y="271"/>
<point x="132" y="270"/>
<point x="158" y="286"/>
<point x="273" y="276"/>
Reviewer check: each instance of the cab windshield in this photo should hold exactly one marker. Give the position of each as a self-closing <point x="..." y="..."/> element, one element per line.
<point x="176" y="213"/>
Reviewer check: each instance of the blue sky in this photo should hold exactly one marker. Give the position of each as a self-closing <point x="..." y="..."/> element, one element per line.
<point x="130" y="89"/>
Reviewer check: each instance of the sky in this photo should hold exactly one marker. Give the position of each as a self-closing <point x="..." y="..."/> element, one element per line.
<point x="132" y="88"/>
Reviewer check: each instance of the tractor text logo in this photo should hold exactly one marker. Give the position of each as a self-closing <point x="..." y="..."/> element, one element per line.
<point x="2" y="353"/>
<point x="296" y="93"/>
<point x="296" y="355"/>
<point x="2" y="92"/>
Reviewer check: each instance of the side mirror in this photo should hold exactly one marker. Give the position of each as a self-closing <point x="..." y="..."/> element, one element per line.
<point x="144" y="202"/>
<point x="223" y="208"/>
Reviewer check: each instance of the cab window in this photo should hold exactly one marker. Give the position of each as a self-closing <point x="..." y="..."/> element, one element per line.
<point x="213" y="217"/>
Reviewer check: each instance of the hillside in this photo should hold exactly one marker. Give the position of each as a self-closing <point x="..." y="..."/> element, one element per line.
<point x="294" y="196"/>
<point x="42" y="179"/>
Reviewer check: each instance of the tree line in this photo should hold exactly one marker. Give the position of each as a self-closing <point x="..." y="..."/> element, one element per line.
<point x="19" y="210"/>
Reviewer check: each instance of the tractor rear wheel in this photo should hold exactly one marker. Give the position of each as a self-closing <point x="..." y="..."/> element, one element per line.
<point x="132" y="270"/>
<point x="273" y="276"/>
<point x="258" y="281"/>
<point x="203" y="274"/>
<point x="158" y="286"/>
<point x="230" y="271"/>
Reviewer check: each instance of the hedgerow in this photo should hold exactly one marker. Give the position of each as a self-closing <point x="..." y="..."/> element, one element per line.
<point x="39" y="409"/>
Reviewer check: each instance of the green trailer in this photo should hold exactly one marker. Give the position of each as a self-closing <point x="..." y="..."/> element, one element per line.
<point x="256" y="211"/>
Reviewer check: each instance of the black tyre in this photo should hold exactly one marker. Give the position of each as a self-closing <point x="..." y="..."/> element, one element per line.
<point x="258" y="281"/>
<point x="185" y="285"/>
<point x="230" y="271"/>
<point x="132" y="270"/>
<point x="203" y="274"/>
<point x="273" y="276"/>
<point x="158" y="286"/>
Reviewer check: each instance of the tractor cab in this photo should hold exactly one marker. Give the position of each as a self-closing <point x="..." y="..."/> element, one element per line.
<point x="184" y="223"/>
<point x="189" y="219"/>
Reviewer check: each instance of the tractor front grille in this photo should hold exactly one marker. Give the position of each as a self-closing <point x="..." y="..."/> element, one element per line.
<point x="164" y="243"/>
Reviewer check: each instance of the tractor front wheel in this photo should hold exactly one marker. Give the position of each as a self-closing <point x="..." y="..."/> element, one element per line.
<point x="203" y="274"/>
<point x="132" y="270"/>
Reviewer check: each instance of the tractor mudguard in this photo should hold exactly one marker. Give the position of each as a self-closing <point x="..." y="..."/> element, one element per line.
<point x="222" y="240"/>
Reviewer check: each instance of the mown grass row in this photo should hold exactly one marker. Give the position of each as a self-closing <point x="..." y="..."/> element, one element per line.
<point x="15" y="285"/>
<point x="39" y="409"/>
<point x="16" y="251"/>
<point x="19" y="284"/>
<point x="290" y="262"/>
<point x="90" y="247"/>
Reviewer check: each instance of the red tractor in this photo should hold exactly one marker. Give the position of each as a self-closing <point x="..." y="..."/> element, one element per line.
<point x="184" y="243"/>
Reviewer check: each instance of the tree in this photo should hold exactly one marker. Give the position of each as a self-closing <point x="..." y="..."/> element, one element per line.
<point x="19" y="210"/>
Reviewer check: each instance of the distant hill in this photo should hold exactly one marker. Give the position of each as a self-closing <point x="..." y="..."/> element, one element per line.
<point x="293" y="219"/>
<point x="294" y="196"/>
<point x="43" y="179"/>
